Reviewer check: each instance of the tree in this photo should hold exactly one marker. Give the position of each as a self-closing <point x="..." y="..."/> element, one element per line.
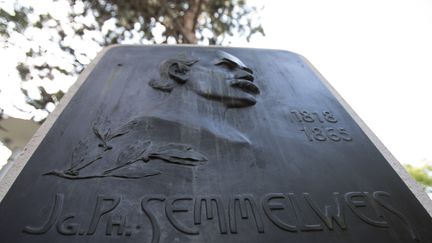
<point x="422" y="175"/>
<point x="71" y="32"/>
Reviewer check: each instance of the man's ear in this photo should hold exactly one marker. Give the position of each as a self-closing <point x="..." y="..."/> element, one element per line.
<point x="179" y="72"/>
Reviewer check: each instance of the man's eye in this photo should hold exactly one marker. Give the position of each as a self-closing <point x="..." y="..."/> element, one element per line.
<point x="232" y="65"/>
<point x="226" y="64"/>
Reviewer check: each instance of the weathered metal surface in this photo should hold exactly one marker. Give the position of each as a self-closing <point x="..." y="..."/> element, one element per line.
<point x="191" y="144"/>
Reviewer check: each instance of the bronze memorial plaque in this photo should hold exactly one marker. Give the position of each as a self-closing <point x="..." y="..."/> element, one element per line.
<point x="198" y="144"/>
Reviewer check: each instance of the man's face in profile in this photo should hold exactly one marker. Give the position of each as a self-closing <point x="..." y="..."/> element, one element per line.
<point x="223" y="78"/>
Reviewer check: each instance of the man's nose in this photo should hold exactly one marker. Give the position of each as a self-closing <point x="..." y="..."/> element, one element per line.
<point x="242" y="74"/>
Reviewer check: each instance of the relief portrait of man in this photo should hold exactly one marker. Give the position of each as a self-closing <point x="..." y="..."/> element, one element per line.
<point x="224" y="78"/>
<point x="195" y="94"/>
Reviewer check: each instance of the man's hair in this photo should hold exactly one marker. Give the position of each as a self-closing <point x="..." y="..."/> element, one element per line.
<point x="173" y="72"/>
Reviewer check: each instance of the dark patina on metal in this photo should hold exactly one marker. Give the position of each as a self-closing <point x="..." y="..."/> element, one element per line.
<point x="195" y="144"/>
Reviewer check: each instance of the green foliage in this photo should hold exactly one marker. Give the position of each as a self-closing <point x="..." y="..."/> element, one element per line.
<point x="421" y="174"/>
<point x="19" y="20"/>
<point x="99" y="23"/>
<point x="183" y="20"/>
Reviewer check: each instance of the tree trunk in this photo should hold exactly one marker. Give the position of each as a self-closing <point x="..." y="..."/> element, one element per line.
<point x="190" y="20"/>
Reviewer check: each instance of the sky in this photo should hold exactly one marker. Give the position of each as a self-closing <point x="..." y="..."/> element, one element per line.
<point x="376" y="54"/>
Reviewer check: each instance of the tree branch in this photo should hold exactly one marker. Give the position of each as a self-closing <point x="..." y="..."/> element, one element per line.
<point x="180" y="27"/>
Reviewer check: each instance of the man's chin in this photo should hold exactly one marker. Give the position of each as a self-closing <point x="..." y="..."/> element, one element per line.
<point x="244" y="100"/>
<point x="239" y="102"/>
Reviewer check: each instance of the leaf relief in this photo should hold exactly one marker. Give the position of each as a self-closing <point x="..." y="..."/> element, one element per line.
<point x="139" y="151"/>
<point x="179" y="154"/>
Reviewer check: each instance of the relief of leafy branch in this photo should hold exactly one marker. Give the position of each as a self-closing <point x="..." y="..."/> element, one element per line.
<point x="140" y="151"/>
